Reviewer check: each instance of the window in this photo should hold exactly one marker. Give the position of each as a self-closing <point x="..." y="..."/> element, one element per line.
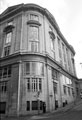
<point x="8" y="37"/>
<point x="72" y="92"/>
<point x="40" y="84"/>
<point x="5" y="72"/>
<point x="55" y="87"/>
<point x="59" y="47"/>
<point x="69" y="90"/>
<point x="52" y="40"/>
<point x="34" y="105"/>
<point x="64" y="89"/>
<point x="34" y="68"/>
<point x="6" y="51"/>
<point x="2" y="107"/>
<point x="3" y="87"/>
<point x="34" y="17"/>
<point x="28" y="106"/>
<point x="68" y="60"/>
<point x="34" y="84"/>
<point x="28" y="84"/>
<point x="54" y="74"/>
<point x="60" y="52"/>
<point x="33" y="36"/>
<point x="9" y="71"/>
<point x="63" y="48"/>
<point x="0" y="73"/>
<point x="27" y="70"/>
<point x="52" y="44"/>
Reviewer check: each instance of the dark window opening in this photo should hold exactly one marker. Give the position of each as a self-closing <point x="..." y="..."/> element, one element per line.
<point x="2" y="107"/>
<point x="28" y="105"/>
<point x="34" y="105"/>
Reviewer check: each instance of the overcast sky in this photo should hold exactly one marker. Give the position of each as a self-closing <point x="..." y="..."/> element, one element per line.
<point x="68" y="14"/>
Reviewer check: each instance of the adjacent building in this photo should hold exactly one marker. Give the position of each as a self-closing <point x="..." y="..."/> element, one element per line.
<point x="36" y="62"/>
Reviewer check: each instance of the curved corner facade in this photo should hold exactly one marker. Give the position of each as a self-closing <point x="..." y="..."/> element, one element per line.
<point x="36" y="62"/>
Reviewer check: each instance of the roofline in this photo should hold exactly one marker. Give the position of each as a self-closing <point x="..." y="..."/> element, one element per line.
<point x="44" y="11"/>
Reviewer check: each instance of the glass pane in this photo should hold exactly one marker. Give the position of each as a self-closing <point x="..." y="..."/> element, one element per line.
<point x="8" y="37"/>
<point x="28" y="105"/>
<point x="55" y="87"/>
<point x="9" y="71"/>
<point x="40" y="69"/>
<point x="7" y="51"/>
<point x="5" y="72"/>
<point x="34" y="105"/>
<point x="27" y="68"/>
<point x="0" y="73"/>
<point x="33" y="33"/>
<point x="40" y="84"/>
<point x="34" y="68"/>
<point x="28" y="84"/>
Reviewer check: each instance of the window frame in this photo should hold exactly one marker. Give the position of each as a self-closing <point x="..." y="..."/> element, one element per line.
<point x="65" y="89"/>
<point x="33" y="42"/>
<point x="55" y="87"/>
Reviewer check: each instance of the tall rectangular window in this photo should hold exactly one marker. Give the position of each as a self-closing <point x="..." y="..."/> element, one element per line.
<point x="59" y="47"/>
<point x="69" y="90"/>
<point x="52" y="40"/>
<point x="34" y="105"/>
<point x="0" y="73"/>
<point x="27" y="68"/>
<point x="3" y="87"/>
<point x="28" y="84"/>
<point x="55" y="87"/>
<point x="68" y="60"/>
<point x="6" y="50"/>
<point x="40" y="84"/>
<point x="8" y="37"/>
<point x="60" y="51"/>
<point x="34" y="84"/>
<point x="54" y="74"/>
<point x="5" y="72"/>
<point x="33" y="37"/>
<point x="28" y="106"/>
<point x="9" y="71"/>
<point x="64" y="89"/>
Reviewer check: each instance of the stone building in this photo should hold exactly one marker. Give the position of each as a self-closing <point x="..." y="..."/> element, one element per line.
<point x="36" y="62"/>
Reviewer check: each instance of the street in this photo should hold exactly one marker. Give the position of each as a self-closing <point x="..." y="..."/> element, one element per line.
<point x="70" y="115"/>
<point x="66" y="113"/>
